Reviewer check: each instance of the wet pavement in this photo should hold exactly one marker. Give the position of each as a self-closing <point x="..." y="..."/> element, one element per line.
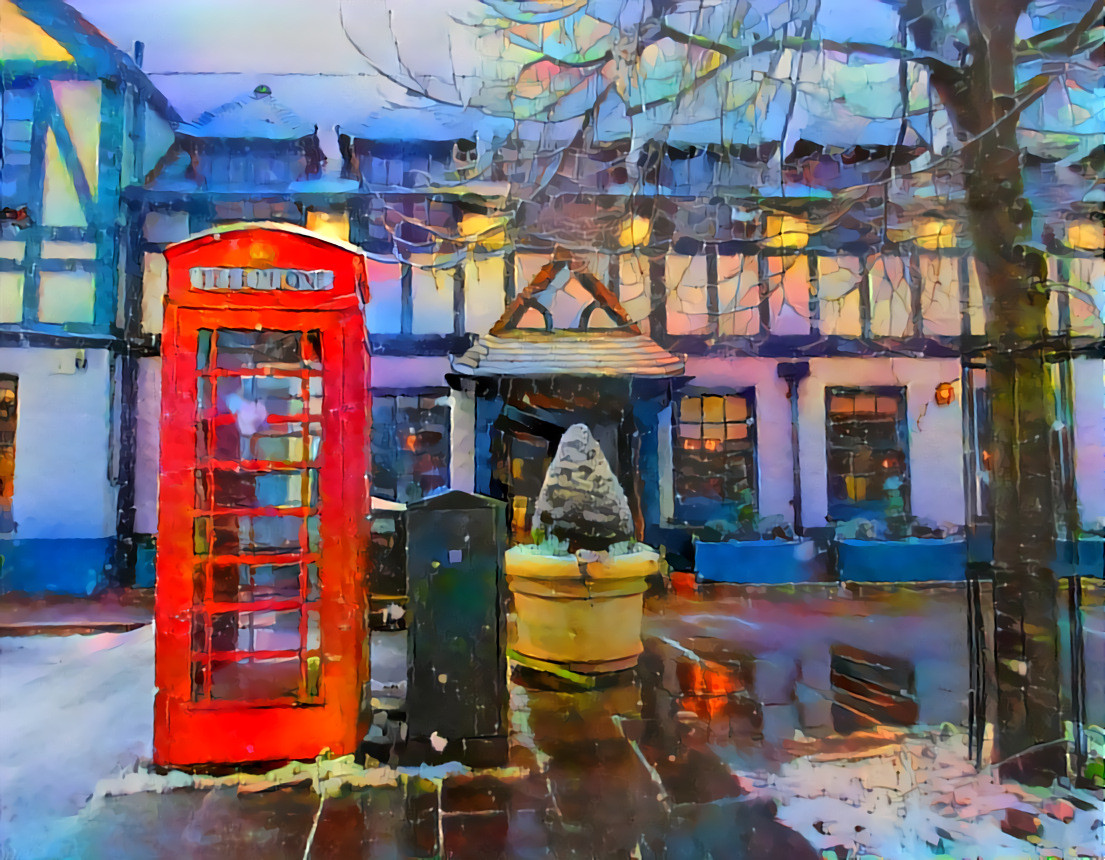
<point x="115" y="611"/>
<point x="592" y="774"/>
<point x="760" y="722"/>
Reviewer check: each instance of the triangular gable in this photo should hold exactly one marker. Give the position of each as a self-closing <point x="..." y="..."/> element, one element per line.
<point x="89" y="49"/>
<point x="23" y="39"/>
<point x="533" y="301"/>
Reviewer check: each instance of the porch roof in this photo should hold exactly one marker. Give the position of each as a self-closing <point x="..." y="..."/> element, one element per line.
<point x="586" y="353"/>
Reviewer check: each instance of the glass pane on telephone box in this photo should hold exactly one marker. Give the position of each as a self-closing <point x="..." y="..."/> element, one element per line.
<point x="257" y="634"/>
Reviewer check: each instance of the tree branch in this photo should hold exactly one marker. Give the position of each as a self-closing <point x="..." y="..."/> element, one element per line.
<point x="1063" y="40"/>
<point x="596" y="63"/>
<point x="941" y="74"/>
<point x="408" y="82"/>
<point x="519" y="12"/>
<point x="794" y="43"/>
<point x="1024" y="97"/>
<point x="763" y="46"/>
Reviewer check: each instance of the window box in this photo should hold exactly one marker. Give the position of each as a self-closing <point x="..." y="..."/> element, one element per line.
<point x="760" y="562"/>
<point x="1091" y="552"/>
<point x="907" y="560"/>
<point x="1091" y="556"/>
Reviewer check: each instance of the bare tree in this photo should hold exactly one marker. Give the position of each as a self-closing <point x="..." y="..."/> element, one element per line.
<point x="982" y="94"/>
<point x="574" y="74"/>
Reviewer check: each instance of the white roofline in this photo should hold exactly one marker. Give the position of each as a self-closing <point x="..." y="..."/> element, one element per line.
<point x="279" y="226"/>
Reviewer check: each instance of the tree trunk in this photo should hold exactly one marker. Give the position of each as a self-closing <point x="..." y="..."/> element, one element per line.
<point x="1026" y="648"/>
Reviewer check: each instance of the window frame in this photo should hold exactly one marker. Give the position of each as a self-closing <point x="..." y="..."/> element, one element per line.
<point x="684" y="513"/>
<point x="402" y="478"/>
<point x="868" y="509"/>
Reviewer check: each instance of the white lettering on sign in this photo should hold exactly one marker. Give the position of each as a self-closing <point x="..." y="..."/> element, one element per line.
<point x="217" y="278"/>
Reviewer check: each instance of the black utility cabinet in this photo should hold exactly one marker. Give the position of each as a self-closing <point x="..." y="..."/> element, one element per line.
<point x="456" y="644"/>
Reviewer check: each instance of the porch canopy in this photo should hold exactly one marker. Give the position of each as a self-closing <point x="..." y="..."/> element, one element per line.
<point x="567" y="321"/>
<point x="579" y="353"/>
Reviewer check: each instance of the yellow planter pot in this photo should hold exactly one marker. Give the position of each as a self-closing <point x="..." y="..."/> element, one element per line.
<point x="582" y="614"/>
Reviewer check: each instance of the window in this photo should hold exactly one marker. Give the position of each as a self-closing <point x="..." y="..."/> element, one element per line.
<point x="9" y="386"/>
<point x="256" y="210"/>
<point x="867" y="463"/>
<point x="410" y="445"/>
<point x="11" y="297"/>
<point x="465" y="154"/>
<point x="16" y="117"/>
<point x="714" y="456"/>
<point x="66" y="297"/>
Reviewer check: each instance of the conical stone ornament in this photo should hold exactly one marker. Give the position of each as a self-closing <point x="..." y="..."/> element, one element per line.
<point x="581" y="501"/>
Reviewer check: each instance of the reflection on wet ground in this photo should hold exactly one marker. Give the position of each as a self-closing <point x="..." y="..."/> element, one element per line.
<point x="819" y="661"/>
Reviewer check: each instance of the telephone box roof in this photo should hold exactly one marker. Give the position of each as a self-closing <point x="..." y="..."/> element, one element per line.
<point x="281" y="226"/>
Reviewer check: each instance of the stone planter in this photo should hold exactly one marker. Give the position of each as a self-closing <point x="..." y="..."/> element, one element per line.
<point x="908" y="560"/>
<point x="759" y="562"/>
<point x="584" y="616"/>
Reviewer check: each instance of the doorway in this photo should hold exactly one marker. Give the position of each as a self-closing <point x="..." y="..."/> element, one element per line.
<point x="527" y="432"/>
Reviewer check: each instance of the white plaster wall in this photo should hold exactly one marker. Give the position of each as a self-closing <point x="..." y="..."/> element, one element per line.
<point x="935" y="432"/>
<point x="147" y="445"/>
<point x="155" y="284"/>
<point x="61" y="443"/>
<point x="415" y="371"/>
<point x="484" y="293"/>
<point x="1089" y="438"/>
<point x="431" y="298"/>
<point x="462" y="441"/>
<point x="772" y="410"/>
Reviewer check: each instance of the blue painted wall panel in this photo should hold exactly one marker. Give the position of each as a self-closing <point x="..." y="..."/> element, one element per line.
<point x="71" y="566"/>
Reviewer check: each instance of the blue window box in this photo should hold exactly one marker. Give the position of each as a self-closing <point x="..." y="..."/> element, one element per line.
<point x="1091" y="556"/>
<point x="908" y="560"/>
<point x="1091" y="553"/>
<point x="755" y="562"/>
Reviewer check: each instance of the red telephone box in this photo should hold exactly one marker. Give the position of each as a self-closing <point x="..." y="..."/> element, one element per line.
<point x="261" y="554"/>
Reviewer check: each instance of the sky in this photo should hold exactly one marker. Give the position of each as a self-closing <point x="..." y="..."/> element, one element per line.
<point x="244" y="36"/>
<point x="204" y="53"/>
<point x="240" y="42"/>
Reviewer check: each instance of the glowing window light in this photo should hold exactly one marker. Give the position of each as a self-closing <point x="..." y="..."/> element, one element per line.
<point x="635" y="232"/>
<point x="486" y="230"/>
<point x="332" y="225"/>
<point x="1086" y="235"/>
<point x="786" y="231"/>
